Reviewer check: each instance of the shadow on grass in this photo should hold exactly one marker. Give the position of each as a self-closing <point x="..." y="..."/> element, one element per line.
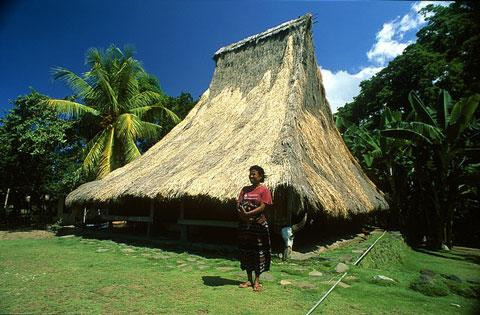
<point x="216" y="281"/>
<point x="461" y="255"/>
<point x="22" y="228"/>
<point x="159" y="242"/>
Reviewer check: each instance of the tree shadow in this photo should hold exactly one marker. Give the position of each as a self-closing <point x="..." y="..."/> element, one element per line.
<point x="453" y="254"/>
<point x="216" y="281"/>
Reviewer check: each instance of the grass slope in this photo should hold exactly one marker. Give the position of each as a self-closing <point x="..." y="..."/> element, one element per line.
<point x="77" y="275"/>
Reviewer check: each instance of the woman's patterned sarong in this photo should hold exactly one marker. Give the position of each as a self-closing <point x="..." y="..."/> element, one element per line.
<point x="254" y="246"/>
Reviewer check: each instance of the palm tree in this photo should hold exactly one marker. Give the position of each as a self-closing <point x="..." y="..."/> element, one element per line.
<point x="117" y="103"/>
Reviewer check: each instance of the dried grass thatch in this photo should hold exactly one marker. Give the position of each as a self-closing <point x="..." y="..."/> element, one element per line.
<point x="266" y="105"/>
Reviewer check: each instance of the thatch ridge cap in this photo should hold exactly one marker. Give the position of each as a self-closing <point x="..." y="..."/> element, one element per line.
<point x="269" y="32"/>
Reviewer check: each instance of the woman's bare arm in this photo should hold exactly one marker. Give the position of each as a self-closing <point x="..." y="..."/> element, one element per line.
<point x="257" y="210"/>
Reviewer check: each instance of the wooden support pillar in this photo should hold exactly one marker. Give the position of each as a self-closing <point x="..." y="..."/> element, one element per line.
<point x="290" y="205"/>
<point x="286" y="232"/>
<point x="75" y="216"/>
<point x="84" y="215"/>
<point x="60" y="207"/>
<point x="110" y="223"/>
<point x="152" y="210"/>
<point x="6" y="198"/>
<point x="183" y="228"/>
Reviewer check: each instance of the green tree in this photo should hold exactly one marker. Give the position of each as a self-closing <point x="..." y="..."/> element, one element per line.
<point x="37" y="148"/>
<point x="118" y="104"/>
<point x="180" y="105"/>
<point x="444" y="158"/>
<point x="445" y="56"/>
<point x="385" y="160"/>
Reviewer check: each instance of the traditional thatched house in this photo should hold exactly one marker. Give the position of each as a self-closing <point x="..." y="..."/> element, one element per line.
<point x="266" y="105"/>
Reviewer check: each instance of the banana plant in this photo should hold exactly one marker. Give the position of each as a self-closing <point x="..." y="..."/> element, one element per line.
<point x="434" y="126"/>
<point x="385" y="159"/>
<point x="442" y="152"/>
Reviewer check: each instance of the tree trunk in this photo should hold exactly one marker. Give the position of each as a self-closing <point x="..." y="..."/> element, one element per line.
<point x="428" y="222"/>
<point x="396" y="200"/>
<point x="449" y="229"/>
<point x="437" y="241"/>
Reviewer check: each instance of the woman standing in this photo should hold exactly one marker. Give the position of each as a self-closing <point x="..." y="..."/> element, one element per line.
<point x="254" y="238"/>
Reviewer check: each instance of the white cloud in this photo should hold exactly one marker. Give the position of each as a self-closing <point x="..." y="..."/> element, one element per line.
<point x="386" y="47"/>
<point x="389" y="40"/>
<point x="341" y="86"/>
<point x="386" y="33"/>
<point x="409" y="22"/>
<point x="417" y="6"/>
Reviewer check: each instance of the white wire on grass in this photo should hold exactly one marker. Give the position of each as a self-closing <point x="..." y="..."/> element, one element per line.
<point x="368" y="249"/>
<point x="340" y="279"/>
<point x="326" y="294"/>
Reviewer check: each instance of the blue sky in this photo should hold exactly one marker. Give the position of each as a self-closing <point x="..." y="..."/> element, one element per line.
<point x="175" y="40"/>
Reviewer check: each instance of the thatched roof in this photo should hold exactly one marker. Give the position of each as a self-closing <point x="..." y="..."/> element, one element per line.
<point x="266" y="105"/>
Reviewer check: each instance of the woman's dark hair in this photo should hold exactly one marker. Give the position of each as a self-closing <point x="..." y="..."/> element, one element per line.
<point x="260" y="171"/>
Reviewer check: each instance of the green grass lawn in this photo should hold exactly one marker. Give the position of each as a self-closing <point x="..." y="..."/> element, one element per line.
<point x="80" y="275"/>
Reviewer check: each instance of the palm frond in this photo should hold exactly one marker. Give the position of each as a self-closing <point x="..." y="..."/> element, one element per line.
<point x="104" y="82"/>
<point x="146" y="98"/>
<point x="149" y="131"/>
<point x="128" y="51"/>
<point x="100" y="65"/>
<point x="129" y="129"/>
<point x="114" y="53"/>
<point x="126" y="81"/>
<point x="131" y="126"/>
<point x="128" y="126"/>
<point x="131" y="151"/>
<point x="142" y="112"/>
<point x="105" y="164"/>
<point x="72" y="109"/>
<point x="173" y="117"/>
<point x="74" y="81"/>
<point x="94" y="150"/>
<point x="94" y="57"/>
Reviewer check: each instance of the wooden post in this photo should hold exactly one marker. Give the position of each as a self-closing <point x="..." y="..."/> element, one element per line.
<point x="84" y="215"/>
<point x="287" y="234"/>
<point x="152" y="210"/>
<point x="60" y="207"/>
<point x="290" y="205"/>
<point x="110" y="224"/>
<point x="6" y="198"/>
<point x="183" y="228"/>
